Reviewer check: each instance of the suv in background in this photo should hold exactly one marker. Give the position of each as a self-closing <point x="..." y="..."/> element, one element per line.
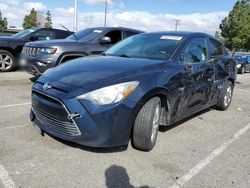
<point x="11" y="46"/>
<point x="37" y="57"/>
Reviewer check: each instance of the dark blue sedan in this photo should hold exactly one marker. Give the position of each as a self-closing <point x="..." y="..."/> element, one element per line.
<point x="143" y="82"/>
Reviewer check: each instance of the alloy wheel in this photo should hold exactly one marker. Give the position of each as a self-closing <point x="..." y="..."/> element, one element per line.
<point x="228" y="96"/>
<point x="5" y="62"/>
<point x="156" y="121"/>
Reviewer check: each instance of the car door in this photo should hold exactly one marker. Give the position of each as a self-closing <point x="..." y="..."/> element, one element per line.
<point x="220" y="66"/>
<point x="199" y="74"/>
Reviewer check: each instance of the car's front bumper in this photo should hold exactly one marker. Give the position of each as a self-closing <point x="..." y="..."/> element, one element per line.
<point x="98" y="126"/>
<point x="36" y="66"/>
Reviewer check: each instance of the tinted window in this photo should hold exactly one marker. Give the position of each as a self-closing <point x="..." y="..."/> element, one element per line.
<point x="149" y="46"/>
<point x="44" y="35"/>
<point x="115" y="36"/>
<point x="196" y="51"/>
<point x="127" y="34"/>
<point x="24" y="33"/>
<point x="216" y="48"/>
<point x="86" y="35"/>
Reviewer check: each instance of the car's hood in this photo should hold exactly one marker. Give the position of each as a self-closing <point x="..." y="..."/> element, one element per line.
<point x="51" y="43"/>
<point x="8" y="38"/>
<point x="84" y="72"/>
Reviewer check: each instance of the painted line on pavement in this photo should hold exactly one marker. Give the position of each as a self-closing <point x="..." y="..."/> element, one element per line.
<point x="6" y="179"/>
<point x="13" y="105"/>
<point x="196" y="169"/>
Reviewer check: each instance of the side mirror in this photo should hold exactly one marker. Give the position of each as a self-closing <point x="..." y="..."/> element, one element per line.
<point x="33" y="38"/>
<point x="105" y="40"/>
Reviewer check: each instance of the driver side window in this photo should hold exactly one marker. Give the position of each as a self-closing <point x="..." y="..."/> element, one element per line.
<point x="115" y="36"/>
<point x="44" y="35"/>
<point x="196" y="51"/>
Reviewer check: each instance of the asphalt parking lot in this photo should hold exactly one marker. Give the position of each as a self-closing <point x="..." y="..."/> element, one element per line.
<point x="211" y="149"/>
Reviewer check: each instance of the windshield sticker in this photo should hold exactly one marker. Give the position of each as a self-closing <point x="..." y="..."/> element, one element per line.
<point x="166" y="37"/>
<point x="97" y="31"/>
<point x="31" y="30"/>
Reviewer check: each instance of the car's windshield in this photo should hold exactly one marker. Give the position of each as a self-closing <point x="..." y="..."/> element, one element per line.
<point x="149" y="46"/>
<point x="86" y="35"/>
<point x="24" y="33"/>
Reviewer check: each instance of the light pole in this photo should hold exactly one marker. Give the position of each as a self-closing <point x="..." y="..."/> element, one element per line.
<point x="105" y="16"/>
<point x="76" y="15"/>
<point x="177" y="23"/>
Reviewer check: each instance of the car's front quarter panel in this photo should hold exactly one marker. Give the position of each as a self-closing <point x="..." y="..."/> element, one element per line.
<point x="100" y="126"/>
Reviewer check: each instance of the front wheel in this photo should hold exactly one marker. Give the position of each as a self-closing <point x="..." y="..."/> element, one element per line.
<point x="146" y="125"/>
<point x="225" y="97"/>
<point x="7" y="61"/>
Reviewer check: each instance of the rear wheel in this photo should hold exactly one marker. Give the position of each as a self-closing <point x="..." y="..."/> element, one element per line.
<point x="225" y="97"/>
<point x="146" y="125"/>
<point x="7" y="61"/>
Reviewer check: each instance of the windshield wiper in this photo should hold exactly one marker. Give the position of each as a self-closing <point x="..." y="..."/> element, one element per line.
<point x="73" y="33"/>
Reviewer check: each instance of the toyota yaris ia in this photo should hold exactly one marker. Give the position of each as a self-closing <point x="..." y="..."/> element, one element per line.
<point x="143" y="82"/>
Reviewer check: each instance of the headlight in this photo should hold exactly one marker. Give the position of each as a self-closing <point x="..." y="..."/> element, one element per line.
<point x="238" y="66"/>
<point x="111" y="94"/>
<point x="47" y="50"/>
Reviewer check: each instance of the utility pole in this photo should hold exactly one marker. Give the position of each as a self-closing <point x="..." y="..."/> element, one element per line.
<point x="106" y="10"/>
<point x="177" y="23"/>
<point x="76" y="15"/>
<point x="89" y="19"/>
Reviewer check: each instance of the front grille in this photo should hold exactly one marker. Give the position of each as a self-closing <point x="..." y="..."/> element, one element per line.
<point x="53" y="114"/>
<point x="30" y="51"/>
<point x="66" y="128"/>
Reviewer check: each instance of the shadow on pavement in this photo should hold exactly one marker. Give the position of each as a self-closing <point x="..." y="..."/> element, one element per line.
<point x="117" y="177"/>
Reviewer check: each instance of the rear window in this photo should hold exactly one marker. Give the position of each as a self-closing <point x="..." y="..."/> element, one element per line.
<point x="216" y="48"/>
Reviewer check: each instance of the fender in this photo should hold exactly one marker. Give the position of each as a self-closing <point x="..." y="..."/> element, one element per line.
<point x="70" y="54"/>
<point x="166" y="108"/>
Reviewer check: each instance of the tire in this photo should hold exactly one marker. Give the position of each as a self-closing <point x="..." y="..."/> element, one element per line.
<point x="242" y="70"/>
<point x="225" y="98"/>
<point x="7" y="61"/>
<point x="146" y="125"/>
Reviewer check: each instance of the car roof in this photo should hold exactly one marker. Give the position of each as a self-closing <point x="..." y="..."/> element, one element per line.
<point x="121" y="28"/>
<point x="185" y="34"/>
<point x="53" y="29"/>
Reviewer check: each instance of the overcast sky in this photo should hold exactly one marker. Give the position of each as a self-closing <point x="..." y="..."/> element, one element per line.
<point x="148" y="15"/>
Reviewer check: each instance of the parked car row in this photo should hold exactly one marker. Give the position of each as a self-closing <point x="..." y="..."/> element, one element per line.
<point x="37" y="57"/>
<point x="11" y="46"/>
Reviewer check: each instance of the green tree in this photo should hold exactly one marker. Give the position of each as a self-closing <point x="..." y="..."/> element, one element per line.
<point x="235" y="28"/>
<point x="30" y="20"/>
<point x="48" y="20"/>
<point x="219" y="37"/>
<point x="3" y="23"/>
